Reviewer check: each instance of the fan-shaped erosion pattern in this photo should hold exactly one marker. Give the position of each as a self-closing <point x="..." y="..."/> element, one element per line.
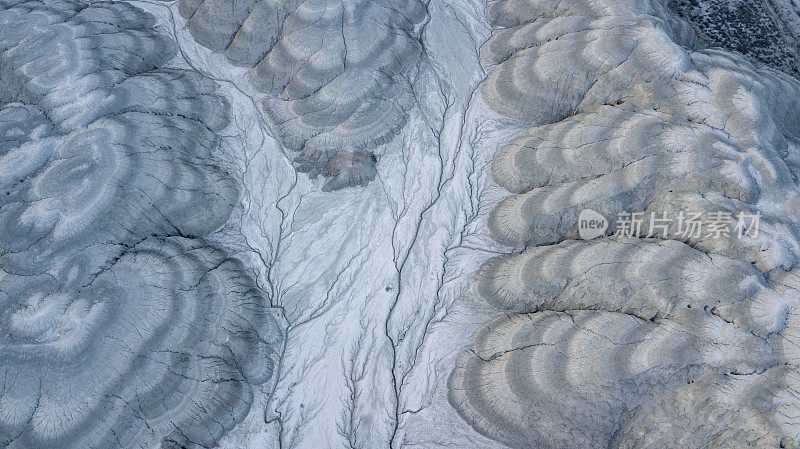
<point x="336" y="72"/>
<point x="121" y="326"/>
<point x="668" y="338"/>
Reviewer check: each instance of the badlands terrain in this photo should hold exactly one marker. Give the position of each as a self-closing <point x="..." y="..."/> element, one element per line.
<point x="357" y="224"/>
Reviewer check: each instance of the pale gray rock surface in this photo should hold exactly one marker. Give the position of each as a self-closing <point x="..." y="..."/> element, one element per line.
<point x="338" y="74"/>
<point x="121" y="326"/>
<point x="401" y="181"/>
<point x="673" y="340"/>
